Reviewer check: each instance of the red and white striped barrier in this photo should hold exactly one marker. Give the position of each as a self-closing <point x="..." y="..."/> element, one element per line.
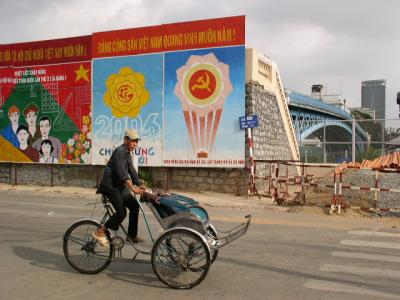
<point x="337" y="199"/>
<point x="365" y="188"/>
<point x="252" y="184"/>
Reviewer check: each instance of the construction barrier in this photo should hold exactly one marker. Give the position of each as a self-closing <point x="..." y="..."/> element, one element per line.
<point x="338" y="199"/>
<point x="278" y="185"/>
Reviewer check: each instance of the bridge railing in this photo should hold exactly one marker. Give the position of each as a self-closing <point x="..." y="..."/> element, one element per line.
<point x="307" y="102"/>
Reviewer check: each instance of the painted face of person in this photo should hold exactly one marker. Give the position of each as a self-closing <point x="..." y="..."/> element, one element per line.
<point x="46" y="149"/>
<point x="14" y="117"/>
<point x="31" y="118"/>
<point x="45" y="127"/>
<point x="23" y="136"/>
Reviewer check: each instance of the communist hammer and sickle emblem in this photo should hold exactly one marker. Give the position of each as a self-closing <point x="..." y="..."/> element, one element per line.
<point x="202" y="84"/>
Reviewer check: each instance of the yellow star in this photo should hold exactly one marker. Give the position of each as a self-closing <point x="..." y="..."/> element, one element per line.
<point x="82" y="73"/>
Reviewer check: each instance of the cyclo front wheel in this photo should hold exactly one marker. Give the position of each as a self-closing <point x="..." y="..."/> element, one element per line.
<point x="82" y="251"/>
<point x="180" y="258"/>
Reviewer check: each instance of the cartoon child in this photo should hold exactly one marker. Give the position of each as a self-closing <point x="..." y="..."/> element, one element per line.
<point x="45" y="127"/>
<point x="23" y="135"/>
<point x="30" y="113"/>
<point x="46" y="148"/>
<point x="10" y="132"/>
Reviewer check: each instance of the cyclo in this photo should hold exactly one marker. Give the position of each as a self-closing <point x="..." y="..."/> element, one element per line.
<point x="182" y="254"/>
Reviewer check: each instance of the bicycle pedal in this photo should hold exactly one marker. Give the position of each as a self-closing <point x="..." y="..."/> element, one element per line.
<point x="118" y="243"/>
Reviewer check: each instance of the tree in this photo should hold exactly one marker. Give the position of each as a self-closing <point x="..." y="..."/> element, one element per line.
<point x="366" y="122"/>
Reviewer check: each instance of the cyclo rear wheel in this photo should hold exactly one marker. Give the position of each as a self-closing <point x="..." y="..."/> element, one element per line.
<point x="82" y="251"/>
<point x="180" y="258"/>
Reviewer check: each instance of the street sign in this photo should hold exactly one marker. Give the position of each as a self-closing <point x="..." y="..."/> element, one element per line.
<point x="248" y="121"/>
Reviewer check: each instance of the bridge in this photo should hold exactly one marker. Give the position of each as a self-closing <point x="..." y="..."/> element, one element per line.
<point x="292" y="123"/>
<point x="319" y="123"/>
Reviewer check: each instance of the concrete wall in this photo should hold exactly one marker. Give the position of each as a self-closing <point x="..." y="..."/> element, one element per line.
<point x="231" y="181"/>
<point x="222" y="180"/>
<point x="50" y="175"/>
<point x="270" y="139"/>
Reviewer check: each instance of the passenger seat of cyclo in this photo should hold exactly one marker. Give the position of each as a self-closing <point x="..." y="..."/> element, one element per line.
<point x="162" y="209"/>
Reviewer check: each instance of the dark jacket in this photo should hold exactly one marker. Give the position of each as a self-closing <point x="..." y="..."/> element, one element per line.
<point x="118" y="169"/>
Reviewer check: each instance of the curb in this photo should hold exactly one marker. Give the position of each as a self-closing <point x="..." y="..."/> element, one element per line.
<point x="213" y="200"/>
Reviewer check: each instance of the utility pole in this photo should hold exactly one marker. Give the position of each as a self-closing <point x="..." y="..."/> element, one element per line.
<point x="398" y="101"/>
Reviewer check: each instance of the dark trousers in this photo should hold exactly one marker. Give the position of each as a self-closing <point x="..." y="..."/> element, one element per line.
<point x="120" y="199"/>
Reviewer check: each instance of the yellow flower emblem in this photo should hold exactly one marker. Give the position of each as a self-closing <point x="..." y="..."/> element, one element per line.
<point x="86" y="120"/>
<point x="126" y="93"/>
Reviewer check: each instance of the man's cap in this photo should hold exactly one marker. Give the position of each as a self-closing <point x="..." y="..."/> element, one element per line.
<point x="13" y="109"/>
<point x="31" y="107"/>
<point x="132" y="134"/>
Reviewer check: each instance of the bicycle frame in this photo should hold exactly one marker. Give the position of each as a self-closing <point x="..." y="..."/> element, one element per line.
<point x="110" y="211"/>
<point x="215" y="241"/>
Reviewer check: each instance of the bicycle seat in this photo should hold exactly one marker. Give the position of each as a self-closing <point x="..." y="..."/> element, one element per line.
<point x="104" y="198"/>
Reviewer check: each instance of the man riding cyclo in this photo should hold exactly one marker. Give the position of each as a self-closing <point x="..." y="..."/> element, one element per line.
<point x="120" y="182"/>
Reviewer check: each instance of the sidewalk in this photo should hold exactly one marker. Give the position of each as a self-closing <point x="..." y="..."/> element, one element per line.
<point x="313" y="214"/>
<point x="206" y="199"/>
<point x="210" y="199"/>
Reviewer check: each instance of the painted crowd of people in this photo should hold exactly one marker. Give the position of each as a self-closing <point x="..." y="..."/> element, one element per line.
<point x="32" y="138"/>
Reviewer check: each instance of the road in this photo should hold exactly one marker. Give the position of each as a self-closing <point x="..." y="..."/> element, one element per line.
<point x="283" y="256"/>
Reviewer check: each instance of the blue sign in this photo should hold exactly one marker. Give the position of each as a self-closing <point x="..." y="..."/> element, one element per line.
<point x="248" y="121"/>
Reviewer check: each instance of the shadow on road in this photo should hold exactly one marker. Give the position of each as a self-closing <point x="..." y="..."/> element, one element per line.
<point x="138" y="272"/>
<point x="305" y="275"/>
<point x="43" y="259"/>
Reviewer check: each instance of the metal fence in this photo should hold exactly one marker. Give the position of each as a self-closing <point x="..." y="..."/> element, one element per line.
<point x="350" y="141"/>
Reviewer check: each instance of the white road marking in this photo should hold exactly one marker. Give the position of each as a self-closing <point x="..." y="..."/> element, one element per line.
<point x="374" y="233"/>
<point x="374" y="244"/>
<point x="359" y="271"/>
<point x="346" y="288"/>
<point x="363" y="271"/>
<point x="359" y="255"/>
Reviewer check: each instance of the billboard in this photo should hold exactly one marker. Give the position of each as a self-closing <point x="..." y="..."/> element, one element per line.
<point x="45" y="101"/>
<point x="128" y="93"/>
<point x="180" y="85"/>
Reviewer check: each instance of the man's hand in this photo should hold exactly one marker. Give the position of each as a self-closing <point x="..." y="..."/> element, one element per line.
<point x="133" y="188"/>
<point x="137" y="190"/>
<point x="143" y="184"/>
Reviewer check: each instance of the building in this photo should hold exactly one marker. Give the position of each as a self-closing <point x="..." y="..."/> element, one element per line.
<point x="373" y="96"/>
<point x="275" y="138"/>
<point x="318" y="92"/>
